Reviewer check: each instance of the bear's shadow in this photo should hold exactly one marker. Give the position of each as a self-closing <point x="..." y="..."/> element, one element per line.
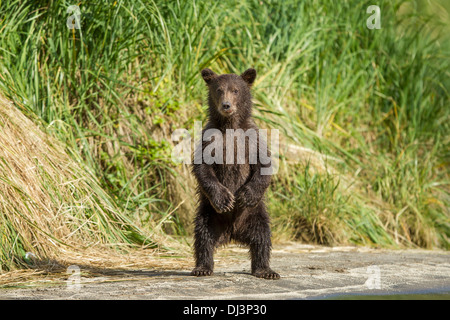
<point x="88" y="271"/>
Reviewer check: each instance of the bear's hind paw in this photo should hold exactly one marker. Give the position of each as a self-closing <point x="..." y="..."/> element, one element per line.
<point x="201" y="272"/>
<point x="266" y="274"/>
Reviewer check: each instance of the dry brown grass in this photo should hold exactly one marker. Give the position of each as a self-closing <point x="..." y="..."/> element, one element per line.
<point x="52" y="207"/>
<point x="98" y="262"/>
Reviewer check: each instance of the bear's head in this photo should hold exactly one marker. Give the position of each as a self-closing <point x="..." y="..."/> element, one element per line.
<point x="229" y="94"/>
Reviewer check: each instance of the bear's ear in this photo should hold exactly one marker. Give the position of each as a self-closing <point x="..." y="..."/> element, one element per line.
<point x="249" y="76"/>
<point x="208" y="75"/>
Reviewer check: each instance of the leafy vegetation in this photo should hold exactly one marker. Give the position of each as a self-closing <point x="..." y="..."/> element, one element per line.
<point x="363" y="114"/>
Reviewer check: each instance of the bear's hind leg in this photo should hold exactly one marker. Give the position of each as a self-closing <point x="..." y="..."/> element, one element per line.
<point x="260" y="255"/>
<point x="205" y="240"/>
<point x="258" y="238"/>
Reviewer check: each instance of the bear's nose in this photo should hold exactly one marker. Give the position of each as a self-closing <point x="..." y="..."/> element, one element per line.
<point x="226" y="105"/>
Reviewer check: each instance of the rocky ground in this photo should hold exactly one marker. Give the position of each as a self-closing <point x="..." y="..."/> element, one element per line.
<point x="307" y="272"/>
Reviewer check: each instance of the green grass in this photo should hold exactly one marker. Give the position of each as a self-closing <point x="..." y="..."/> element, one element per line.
<point x="374" y="103"/>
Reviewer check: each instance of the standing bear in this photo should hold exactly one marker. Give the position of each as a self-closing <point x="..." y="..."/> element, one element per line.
<point x="232" y="177"/>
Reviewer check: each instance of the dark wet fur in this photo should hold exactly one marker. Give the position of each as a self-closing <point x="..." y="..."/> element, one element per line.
<point x="231" y="196"/>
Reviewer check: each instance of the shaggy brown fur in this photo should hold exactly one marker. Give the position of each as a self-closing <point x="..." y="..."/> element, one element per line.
<point x="231" y="205"/>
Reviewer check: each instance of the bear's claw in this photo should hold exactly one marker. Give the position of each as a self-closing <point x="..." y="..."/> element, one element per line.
<point x="266" y="274"/>
<point x="201" y="272"/>
<point x="223" y="202"/>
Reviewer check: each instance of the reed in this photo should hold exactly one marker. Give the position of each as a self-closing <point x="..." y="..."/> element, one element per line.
<point x="371" y="106"/>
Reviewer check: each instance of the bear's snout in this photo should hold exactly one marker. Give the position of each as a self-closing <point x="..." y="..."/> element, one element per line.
<point x="226" y="106"/>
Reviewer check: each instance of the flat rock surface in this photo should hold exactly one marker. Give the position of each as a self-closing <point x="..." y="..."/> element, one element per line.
<point x="307" y="272"/>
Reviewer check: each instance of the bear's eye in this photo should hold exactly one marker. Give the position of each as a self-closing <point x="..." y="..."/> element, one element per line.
<point x="220" y="91"/>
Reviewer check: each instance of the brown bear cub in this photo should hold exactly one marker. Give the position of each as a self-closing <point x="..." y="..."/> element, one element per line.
<point x="231" y="193"/>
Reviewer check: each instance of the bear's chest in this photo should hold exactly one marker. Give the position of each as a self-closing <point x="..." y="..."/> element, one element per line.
<point x="232" y="176"/>
<point x="238" y="154"/>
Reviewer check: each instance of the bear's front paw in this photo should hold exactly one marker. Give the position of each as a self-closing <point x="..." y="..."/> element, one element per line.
<point x="246" y="198"/>
<point x="223" y="201"/>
